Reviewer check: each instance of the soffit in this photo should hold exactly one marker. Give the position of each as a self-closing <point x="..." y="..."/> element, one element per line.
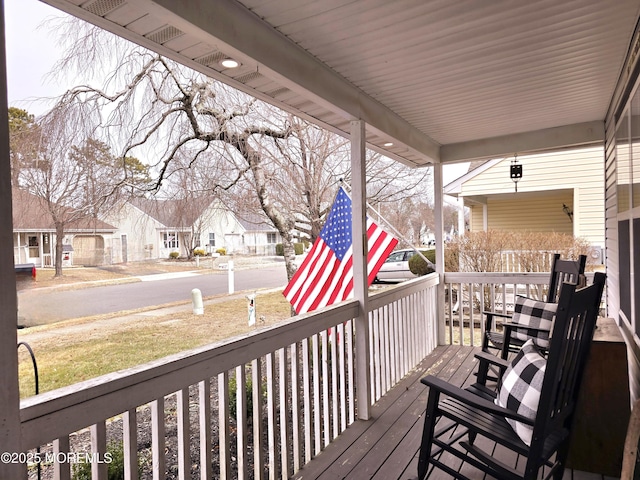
<point x="440" y="79"/>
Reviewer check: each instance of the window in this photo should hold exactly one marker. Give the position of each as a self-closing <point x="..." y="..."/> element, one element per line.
<point x="170" y="240"/>
<point x="271" y="238"/>
<point x="395" y="257"/>
<point x="212" y="239"/>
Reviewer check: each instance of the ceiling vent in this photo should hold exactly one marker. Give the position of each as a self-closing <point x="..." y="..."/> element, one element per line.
<point x="211" y="59"/>
<point x="165" y="34"/>
<point x="102" y="7"/>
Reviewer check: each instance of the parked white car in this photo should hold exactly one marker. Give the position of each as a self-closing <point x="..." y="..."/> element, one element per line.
<point x="396" y="267"/>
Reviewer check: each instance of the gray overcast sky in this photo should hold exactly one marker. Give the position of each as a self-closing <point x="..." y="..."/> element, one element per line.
<point x="32" y="52"/>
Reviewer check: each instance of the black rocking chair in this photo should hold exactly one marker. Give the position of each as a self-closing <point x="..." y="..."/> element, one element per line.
<point x="569" y="271"/>
<point x="476" y="431"/>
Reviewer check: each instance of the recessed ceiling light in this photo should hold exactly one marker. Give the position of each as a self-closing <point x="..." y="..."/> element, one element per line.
<point x="230" y="63"/>
<point x="388" y="144"/>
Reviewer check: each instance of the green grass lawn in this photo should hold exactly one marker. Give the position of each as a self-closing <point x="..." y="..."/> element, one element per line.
<point x="72" y="358"/>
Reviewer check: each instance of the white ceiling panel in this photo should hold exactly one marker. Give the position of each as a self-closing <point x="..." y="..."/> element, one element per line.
<point x="433" y="76"/>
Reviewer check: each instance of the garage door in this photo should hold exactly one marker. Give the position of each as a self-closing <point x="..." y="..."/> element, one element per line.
<point x="88" y="250"/>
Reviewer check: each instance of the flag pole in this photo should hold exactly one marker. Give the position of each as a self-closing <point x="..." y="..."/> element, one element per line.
<point x="388" y="224"/>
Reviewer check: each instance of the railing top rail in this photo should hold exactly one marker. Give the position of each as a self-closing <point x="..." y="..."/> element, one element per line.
<point x="500" y="277"/>
<point x="403" y="290"/>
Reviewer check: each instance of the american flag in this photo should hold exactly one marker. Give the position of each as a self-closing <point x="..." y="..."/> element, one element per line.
<point x="326" y="275"/>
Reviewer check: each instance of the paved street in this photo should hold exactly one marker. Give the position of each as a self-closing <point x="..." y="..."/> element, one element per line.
<point x="42" y="306"/>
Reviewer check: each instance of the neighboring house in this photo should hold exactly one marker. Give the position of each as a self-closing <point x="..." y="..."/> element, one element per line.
<point x="559" y="192"/>
<point x="153" y="229"/>
<point x="34" y="235"/>
<point x="260" y="237"/>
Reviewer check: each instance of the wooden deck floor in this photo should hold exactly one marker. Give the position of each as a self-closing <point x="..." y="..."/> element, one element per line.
<point x="385" y="447"/>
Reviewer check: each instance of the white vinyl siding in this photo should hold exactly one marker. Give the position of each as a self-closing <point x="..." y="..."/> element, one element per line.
<point x="572" y="177"/>
<point x="534" y="213"/>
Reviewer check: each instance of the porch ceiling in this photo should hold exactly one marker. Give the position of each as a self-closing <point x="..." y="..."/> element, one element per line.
<point x="444" y="81"/>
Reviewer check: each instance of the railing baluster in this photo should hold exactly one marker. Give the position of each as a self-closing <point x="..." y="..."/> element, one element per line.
<point x="284" y="413"/>
<point x="350" y="377"/>
<point x="317" y="429"/>
<point x="387" y="349"/>
<point x="376" y="351"/>
<point x="334" y="381"/>
<point x="258" y="401"/>
<point x="204" y="401"/>
<point x="241" y="421"/>
<point x="61" y="466"/>
<point x="98" y="450"/>
<point x="372" y="357"/>
<point x="184" y="436"/>
<point x="271" y="416"/>
<point x="296" y="413"/>
<point x="158" y="438"/>
<point x="342" y="373"/>
<point x="306" y="392"/>
<point x="130" y="444"/>
<point x="393" y="355"/>
<point x="224" y="441"/>
<point x="326" y="412"/>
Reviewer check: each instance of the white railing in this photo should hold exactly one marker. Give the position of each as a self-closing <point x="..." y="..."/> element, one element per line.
<point x="294" y="393"/>
<point x="468" y="294"/>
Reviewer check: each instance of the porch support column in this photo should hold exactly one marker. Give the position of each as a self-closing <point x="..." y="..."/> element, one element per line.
<point x="438" y="195"/>
<point x="10" y="440"/>
<point x="360" y="249"/>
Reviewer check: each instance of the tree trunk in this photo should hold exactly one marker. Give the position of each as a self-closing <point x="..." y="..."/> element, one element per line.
<point x="58" y="252"/>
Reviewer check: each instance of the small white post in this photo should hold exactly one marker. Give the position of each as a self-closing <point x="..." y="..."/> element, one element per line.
<point x="231" y="282"/>
<point x="196" y="300"/>
<point x="197" y="261"/>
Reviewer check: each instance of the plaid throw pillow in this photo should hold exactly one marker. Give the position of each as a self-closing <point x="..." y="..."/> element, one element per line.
<point x="533" y="313"/>
<point x="521" y="387"/>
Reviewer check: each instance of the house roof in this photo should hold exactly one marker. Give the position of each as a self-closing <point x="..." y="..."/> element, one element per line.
<point x="30" y="213"/>
<point x="173" y="213"/>
<point x="475" y="169"/>
<point x="434" y="80"/>
<point x="255" y="222"/>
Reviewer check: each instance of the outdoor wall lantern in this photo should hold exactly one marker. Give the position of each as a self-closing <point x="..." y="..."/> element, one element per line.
<point x="516" y="170"/>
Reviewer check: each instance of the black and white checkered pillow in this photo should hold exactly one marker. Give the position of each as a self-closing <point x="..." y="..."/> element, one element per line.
<point x="533" y="313"/>
<point x="521" y="387"/>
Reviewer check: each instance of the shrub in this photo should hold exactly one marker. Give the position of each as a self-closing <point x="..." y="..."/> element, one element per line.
<point x="418" y="266"/>
<point x="174" y="255"/>
<point x="199" y="252"/>
<point x="501" y="251"/>
<point x="298" y="249"/>
<point x="221" y="251"/>
<point x="233" y="401"/>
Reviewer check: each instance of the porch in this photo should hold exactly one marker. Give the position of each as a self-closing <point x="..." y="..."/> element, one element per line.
<point x="278" y="403"/>
<point x="386" y="446"/>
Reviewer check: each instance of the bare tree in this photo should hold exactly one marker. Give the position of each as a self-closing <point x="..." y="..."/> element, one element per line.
<point x="75" y="183"/>
<point x="159" y="109"/>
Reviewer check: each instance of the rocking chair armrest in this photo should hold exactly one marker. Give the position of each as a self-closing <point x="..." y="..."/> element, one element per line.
<point x="496" y="314"/>
<point x="485" y="357"/>
<point x="489" y="316"/>
<point x="485" y="361"/>
<point x="511" y="326"/>
<point x="472" y="399"/>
